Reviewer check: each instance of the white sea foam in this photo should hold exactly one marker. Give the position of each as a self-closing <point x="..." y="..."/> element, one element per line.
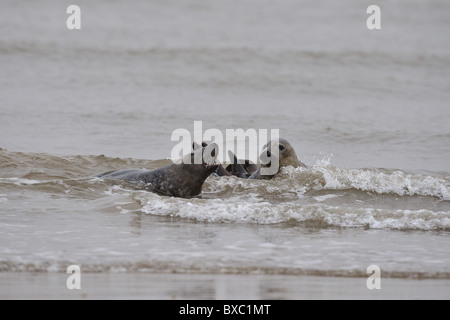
<point x="325" y="197"/>
<point x="324" y="176"/>
<point x="238" y="211"/>
<point x="21" y="181"/>
<point x="286" y="199"/>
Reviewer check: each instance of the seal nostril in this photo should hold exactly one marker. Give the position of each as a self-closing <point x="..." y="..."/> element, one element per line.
<point x="213" y="153"/>
<point x="269" y="154"/>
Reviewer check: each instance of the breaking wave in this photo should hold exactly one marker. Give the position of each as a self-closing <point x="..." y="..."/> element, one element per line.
<point x="381" y="181"/>
<point x="234" y="210"/>
<point x="322" y="195"/>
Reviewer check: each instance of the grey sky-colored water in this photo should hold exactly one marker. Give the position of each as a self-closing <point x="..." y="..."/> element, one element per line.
<point x="134" y="73"/>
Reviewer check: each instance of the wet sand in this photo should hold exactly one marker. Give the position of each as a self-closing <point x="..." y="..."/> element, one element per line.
<point x="23" y="285"/>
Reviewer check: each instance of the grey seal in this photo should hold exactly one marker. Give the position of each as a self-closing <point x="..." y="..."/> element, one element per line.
<point x="285" y="157"/>
<point x="184" y="178"/>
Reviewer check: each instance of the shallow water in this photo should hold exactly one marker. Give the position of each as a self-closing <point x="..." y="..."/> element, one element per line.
<point x="316" y="221"/>
<point x="367" y="111"/>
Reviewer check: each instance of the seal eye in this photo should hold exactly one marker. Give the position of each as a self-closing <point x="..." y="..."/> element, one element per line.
<point x="281" y="147"/>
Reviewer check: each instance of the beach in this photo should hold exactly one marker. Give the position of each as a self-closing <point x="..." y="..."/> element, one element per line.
<point x="138" y="286"/>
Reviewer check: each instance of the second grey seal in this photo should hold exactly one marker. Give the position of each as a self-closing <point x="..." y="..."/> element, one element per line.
<point x="285" y="157"/>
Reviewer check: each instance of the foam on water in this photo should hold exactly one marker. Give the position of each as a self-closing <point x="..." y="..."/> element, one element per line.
<point x="287" y="199"/>
<point x="324" y="176"/>
<point x="20" y="181"/>
<point x="252" y="210"/>
<point x="325" y="197"/>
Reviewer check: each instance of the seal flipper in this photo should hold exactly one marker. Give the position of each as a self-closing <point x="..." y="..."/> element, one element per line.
<point x="256" y="174"/>
<point x="221" y="171"/>
<point x="250" y="167"/>
<point x="238" y="169"/>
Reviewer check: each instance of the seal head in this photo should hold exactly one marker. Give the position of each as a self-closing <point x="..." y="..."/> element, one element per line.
<point x="276" y="151"/>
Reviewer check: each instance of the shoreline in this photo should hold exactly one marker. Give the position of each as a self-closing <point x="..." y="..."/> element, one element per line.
<point x="50" y="286"/>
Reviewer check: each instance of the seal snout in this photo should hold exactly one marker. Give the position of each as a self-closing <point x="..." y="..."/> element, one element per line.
<point x="266" y="157"/>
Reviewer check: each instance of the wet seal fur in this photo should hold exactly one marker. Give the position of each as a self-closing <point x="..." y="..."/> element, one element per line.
<point x="184" y="178"/>
<point x="246" y="170"/>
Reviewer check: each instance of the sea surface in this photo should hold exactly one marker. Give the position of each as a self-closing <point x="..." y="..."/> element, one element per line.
<point x="367" y="111"/>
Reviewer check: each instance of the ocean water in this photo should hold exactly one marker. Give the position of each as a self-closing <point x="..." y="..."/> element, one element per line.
<point x="366" y="110"/>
